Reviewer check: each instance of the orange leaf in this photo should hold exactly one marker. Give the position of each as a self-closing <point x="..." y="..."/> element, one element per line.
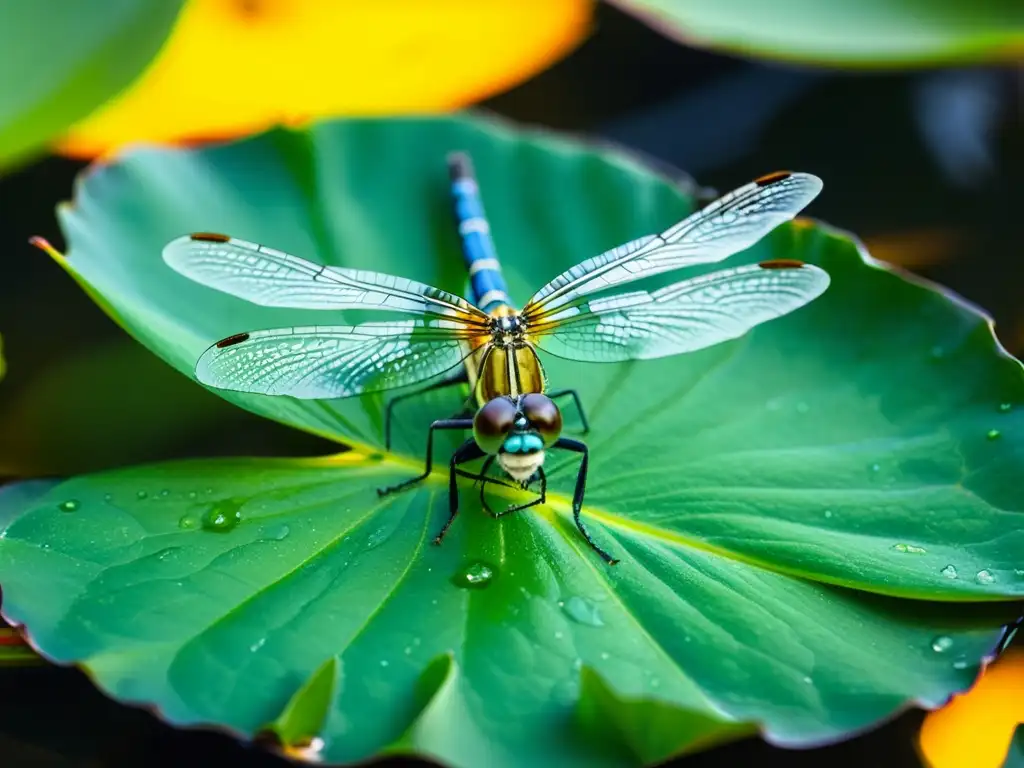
<point x="975" y="728"/>
<point x="232" y="67"/>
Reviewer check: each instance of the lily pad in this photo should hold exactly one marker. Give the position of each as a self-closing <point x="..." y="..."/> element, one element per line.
<point x="816" y="522"/>
<point x="874" y="33"/>
<point x="70" y="57"/>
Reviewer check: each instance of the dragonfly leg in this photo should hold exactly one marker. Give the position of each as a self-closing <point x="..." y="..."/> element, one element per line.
<point x="581" y="487"/>
<point x="542" y="498"/>
<point x="579" y="406"/>
<point x="484" y="479"/>
<point x="461" y="378"/>
<point x="468" y="451"/>
<point x="440" y="424"/>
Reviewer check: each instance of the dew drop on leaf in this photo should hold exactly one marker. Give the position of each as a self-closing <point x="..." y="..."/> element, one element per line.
<point x="1005" y="407"/>
<point x="165" y="493"/>
<point x="828" y="513"/>
<point x="71" y="505"/>
<point x="167" y="554"/>
<point x="993" y="434"/>
<point x="605" y="655"/>
<point x="582" y="611"/>
<point x="949" y="572"/>
<point x="280" y="533"/>
<point x="942" y="643"/>
<point x="384" y="662"/>
<point x="141" y="495"/>
<point x="985" y="577"/>
<point x="223" y="516"/>
<point x="960" y="664"/>
<point x="188" y="521"/>
<point x="475" y="575"/>
<point x="909" y="549"/>
<point x="376" y="538"/>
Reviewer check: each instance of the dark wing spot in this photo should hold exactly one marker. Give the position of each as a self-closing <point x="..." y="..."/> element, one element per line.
<point x="209" y="237"/>
<point x="781" y="264"/>
<point x="230" y="341"/>
<point x="772" y="178"/>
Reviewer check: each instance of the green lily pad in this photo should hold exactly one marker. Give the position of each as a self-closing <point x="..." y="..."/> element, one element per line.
<point x="70" y="57"/>
<point x="816" y="522"/>
<point x="873" y="33"/>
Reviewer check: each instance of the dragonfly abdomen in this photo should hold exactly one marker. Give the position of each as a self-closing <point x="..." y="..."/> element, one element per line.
<point x="488" y="284"/>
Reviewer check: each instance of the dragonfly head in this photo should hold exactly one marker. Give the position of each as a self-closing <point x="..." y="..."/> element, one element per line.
<point x="517" y="430"/>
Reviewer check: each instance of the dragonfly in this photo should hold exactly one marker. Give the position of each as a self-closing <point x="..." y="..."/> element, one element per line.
<point x="488" y="343"/>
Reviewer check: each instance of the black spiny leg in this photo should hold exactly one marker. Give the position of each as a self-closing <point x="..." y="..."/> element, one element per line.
<point x="581" y="487"/>
<point x="579" y="406"/>
<point x="461" y="378"/>
<point x="468" y="451"/>
<point x="440" y="424"/>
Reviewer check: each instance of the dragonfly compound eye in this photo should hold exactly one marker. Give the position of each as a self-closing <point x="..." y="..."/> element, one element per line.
<point x="493" y="422"/>
<point x="543" y="416"/>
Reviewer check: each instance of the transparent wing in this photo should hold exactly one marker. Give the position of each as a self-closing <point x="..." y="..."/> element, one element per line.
<point x="273" y="278"/>
<point x="323" y="362"/>
<point x="682" y="317"/>
<point x="731" y="224"/>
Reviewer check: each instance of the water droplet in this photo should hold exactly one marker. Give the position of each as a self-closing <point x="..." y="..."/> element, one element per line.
<point x="1005" y="407"/>
<point x="223" y="516"/>
<point x="280" y="533"/>
<point x="167" y="554"/>
<point x="141" y="495"/>
<point x="960" y="664"/>
<point x="876" y="467"/>
<point x="108" y="496"/>
<point x="949" y="572"/>
<point x="605" y="655"/>
<point x="942" y="643"/>
<point x="475" y="575"/>
<point x="258" y="644"/>
<point x="909" y="549"/>
<point x="376" y="538"/>
<point x="165" y="493"/>
<point x="188" y="520"/>
<point x="384" y="662"/>
<point x="192" y="494"/>
<point x="985" y="577"/>
<point x="416" y="641"/>
<point x="1018" y="571"/>
<point x="582" y="611"/>
<point x="993" y="434"/>
<point x="408" y="651"/>
<point x="559" y="635"/>
<point x="807" y="679"/>
<point x="71" y="505"/>
<point x="828" y="513"/>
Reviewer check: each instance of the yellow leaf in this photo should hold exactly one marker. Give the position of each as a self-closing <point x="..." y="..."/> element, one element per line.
<point x="236" y="66"/>
<point x="974" y="730"/>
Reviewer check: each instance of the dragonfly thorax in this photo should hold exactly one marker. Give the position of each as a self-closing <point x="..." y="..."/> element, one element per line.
<point x="509" y="330"/>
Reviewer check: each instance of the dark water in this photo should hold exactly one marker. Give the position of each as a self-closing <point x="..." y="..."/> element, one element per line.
<point x="926" y="166"/>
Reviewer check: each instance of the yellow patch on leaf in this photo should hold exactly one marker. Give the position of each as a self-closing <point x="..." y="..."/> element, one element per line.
<point x="233" y="67"/>
<point x="974" y="730"/>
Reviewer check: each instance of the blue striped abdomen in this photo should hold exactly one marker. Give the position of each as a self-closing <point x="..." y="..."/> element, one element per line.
<point x="488" y="284"/>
